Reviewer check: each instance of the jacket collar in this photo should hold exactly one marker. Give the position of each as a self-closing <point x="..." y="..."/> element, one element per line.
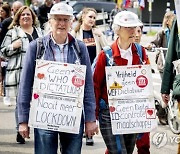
<point x="117" y="55"/>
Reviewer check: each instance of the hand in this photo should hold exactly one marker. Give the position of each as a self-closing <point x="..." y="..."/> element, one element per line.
<point x="149" y="46"/>
<point x="17" y="44"/>
<point x="91" y="129"/>
<point x="24" y="130"/>
<point x="97" y="32"/>
<point x="165" y="98"/>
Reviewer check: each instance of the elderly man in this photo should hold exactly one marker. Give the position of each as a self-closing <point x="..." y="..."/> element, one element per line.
<point x="46" y="141"/>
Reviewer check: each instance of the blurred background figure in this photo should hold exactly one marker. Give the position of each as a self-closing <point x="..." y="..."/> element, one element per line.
<point x="87" y="32"/>
<point x="5" y="24"/>
<point x="162" y="39"/>
<point x="22" y="30"/>
<point x="94" y="39"/>
<point x="5" y="12"/>
<point x="112" y="15"/>
<point x="44" y="9"/>
<point x="35" y="6"/>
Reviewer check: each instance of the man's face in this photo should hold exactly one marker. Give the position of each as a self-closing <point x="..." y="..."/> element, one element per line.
<point x="60" y="24"/>
<point x="16" y="7"/>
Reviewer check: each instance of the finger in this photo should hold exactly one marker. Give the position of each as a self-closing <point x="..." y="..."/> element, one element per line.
<point x="97" y="131"/>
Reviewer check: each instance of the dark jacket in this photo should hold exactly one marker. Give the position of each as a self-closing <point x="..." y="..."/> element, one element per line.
<point x="5" y="24"/>
<point x="43" y="14"/>
<point x="172" y="55"/>
<point x="27" y="77"/>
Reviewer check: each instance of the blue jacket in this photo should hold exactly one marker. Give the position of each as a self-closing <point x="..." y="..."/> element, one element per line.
<point x="27" y="77"/>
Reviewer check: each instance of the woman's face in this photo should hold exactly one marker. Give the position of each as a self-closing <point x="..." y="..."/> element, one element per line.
<point x="138" y="34"/>
<point x="89" y="19"/>
<point x="2" y="13"/>
<point x="26" y="18"/>
<point x="127" y="34"/>
<point x="169" y="21"/>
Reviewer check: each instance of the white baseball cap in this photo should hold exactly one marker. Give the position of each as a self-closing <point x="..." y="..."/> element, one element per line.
<point x="61" y="9"/>
<point x="127" y="19"/>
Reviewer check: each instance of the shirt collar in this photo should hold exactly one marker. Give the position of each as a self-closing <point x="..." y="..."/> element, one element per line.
<point x="66" y="42"/>
<point x="129" y="50"/>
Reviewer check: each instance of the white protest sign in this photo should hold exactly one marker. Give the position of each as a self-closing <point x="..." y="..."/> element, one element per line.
<point x="132" y="115"/>
<point x="177" y="7"/>
<point x="131" y="100"/>
<point x="129" y="81"/>
<point x="57" y="98"/>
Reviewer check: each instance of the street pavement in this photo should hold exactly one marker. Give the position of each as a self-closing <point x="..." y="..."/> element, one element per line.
<point x="162" y="140"/>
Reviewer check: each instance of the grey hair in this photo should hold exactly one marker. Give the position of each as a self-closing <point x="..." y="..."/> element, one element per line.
<point x="116" y="28"/>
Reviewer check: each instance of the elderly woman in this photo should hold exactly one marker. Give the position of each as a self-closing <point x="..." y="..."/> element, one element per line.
<point x="124" y="52"/>
<point x="14" y="46"/>
<point x="87" y="32"/>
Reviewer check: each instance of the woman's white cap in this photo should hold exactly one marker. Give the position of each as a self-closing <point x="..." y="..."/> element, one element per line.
<point x="61" y="9"/>
<point x="127" y="19"/>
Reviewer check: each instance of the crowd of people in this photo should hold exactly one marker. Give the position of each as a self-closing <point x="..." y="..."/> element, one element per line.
<point x="20" y="29"/>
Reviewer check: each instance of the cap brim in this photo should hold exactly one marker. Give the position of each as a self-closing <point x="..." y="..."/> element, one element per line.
<point x="49" y="14"/>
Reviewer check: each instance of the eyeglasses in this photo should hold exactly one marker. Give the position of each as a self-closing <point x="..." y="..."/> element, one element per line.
<point x="130" y="27"/>
<point x="65" y="20"/>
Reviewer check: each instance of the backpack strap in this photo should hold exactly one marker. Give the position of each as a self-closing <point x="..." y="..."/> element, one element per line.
<point x="139" y="52"/>
<point x="40" y="48"/>
<point x="109" y="57"/>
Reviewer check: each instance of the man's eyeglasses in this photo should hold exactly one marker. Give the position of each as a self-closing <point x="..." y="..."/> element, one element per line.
<point x="65" y="20"/>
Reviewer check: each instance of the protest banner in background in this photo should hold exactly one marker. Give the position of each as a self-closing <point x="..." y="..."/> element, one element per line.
<point x="177" y="7"/>
<point x="131" y="100"/>
<point x="57" y="98"/>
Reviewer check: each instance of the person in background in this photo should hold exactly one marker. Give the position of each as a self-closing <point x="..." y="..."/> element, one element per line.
<point x="35" y="6"/>
<point x="22" y="30"/>
<point x="5" y="11"/>
<point x="1" y="2"/>
<point x="5" y="24"/>
<point x="59" y="46"/>
<point x="168" y="74"/>
<point x="112" y="15"/>
<point x="162" y="39"/>
<point x="94" y="39"/>
<point x="87" y="32"/>
<point x="43" y="11"/>
<point x="124" y="52"/>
